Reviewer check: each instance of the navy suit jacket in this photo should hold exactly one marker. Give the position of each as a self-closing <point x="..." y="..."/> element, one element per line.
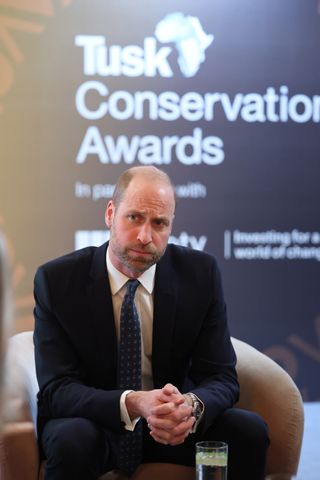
<point x="76" y="344"/>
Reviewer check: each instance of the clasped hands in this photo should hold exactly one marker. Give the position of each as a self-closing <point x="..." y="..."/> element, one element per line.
<point x="166" y="411"/>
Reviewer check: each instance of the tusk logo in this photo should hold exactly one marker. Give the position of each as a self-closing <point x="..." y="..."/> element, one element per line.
<point x="148" y="60"/>
<point x="189" y="38"/>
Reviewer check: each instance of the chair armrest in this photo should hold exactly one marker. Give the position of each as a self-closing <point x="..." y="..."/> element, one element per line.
<point x="18" y="452"/>
<point x="267" y="389"/>
<point x="20" y="381"/>
<point x="18" y="444"/>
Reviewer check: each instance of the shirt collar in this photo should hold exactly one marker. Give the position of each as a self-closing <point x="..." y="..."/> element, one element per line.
<point x="118" y="279"/>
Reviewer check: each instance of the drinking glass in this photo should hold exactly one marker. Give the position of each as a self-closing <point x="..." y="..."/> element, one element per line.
<point x="211" y="460"/>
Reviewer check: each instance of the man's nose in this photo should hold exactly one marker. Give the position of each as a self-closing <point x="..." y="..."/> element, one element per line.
<point x="145" y="234"/>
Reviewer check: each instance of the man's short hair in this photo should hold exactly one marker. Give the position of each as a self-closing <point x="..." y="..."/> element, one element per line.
<point x="151" y="173"/>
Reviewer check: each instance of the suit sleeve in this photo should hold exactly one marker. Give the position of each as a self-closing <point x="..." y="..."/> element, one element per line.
<point x="61" y="376"/>
<point x="212" y="371"/>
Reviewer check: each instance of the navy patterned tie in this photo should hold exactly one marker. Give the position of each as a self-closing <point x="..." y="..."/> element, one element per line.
<point x="130" y="375"/>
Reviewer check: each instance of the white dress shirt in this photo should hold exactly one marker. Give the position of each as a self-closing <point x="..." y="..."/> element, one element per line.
<point x="144" y="304"/>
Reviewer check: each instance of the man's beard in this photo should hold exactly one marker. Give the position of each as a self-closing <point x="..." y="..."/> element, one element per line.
<point x="138" y="263"/>
<point x="134" y="262"/>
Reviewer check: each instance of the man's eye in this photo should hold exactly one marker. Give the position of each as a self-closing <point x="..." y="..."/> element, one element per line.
<point x="134" y="218"/>
<point x="160" y="223"/>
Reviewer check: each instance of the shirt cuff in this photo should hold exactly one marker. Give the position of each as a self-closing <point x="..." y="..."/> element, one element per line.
<point x="124" y="415"/>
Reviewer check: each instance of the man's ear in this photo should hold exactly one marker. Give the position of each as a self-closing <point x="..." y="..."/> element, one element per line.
<point x="109" y="214"/>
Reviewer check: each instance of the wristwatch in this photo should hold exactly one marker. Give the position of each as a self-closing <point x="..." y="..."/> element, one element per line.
<point x="196" y="404"/>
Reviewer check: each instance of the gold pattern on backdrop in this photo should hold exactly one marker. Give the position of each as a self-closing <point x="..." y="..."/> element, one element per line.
<point x="15" y="17"/>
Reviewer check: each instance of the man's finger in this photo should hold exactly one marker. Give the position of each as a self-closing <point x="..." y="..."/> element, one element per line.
<point x="161" y="423"/>
<point x="164" y="409"/>
<point x="176" y="413"/>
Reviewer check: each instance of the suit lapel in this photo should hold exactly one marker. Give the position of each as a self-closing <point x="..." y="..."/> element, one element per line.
<point x="103" y="324"/>
<point x="165" y="297"/>
<point x="100" y="304"/>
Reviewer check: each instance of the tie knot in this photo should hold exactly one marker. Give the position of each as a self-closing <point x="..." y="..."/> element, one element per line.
<point x="132" y="286"/>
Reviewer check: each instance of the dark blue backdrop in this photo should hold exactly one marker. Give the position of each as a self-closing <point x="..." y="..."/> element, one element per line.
<point x="223" y="95"/>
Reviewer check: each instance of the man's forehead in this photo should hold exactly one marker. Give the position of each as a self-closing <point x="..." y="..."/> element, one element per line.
<point x="153" y="205"/>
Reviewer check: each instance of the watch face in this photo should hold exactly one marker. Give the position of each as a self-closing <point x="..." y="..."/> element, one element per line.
<point x="196" y="406"/>
<point x="196" y="409"/>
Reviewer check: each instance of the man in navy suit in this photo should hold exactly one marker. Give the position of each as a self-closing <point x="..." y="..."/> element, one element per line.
<point x="189" y="381"/>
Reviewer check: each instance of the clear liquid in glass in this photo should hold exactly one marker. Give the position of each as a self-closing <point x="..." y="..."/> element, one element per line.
<point x="211" y="468"/>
